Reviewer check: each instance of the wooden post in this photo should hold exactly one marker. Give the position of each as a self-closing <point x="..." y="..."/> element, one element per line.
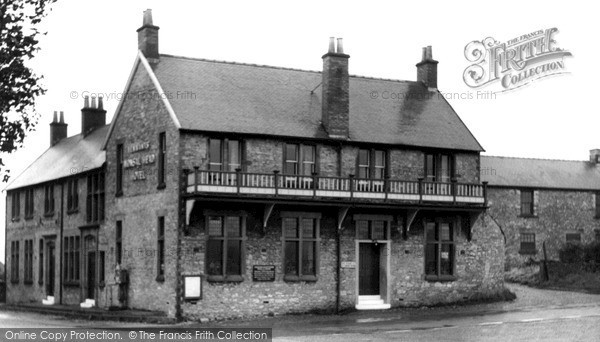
<point x="545" y="264"/>
<point x="485" y="201"/>
<point x="314" y="183"/>
<point x="196" y="178"/>
<point x="453" y="188"/>
<point x="238" y="179"/>
<point x="276" y="180"/>
<point x="351" y="184"/>
<point x="420" y="189"/>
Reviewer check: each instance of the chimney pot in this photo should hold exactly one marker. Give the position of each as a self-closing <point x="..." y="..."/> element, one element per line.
<point x="147" y="17"/>
<point x="62" y="116"/>
<point x="100" y="102"/>
<point x="58" y="130"/>
<point x="331" y="44"/>
<point x="340" y="46"/>
<point x="92" y="117"/>
<point x="86" y="102"/>
<point x="55" y="117"/>
<point x="427" y="69"/>
<point x="93" y="102"/>
<point x="595" y="156"/>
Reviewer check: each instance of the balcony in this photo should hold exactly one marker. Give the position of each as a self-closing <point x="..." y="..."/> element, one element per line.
<point x="275" y="184"/>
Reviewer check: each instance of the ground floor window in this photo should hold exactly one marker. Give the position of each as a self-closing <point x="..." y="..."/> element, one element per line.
<point x="300" y="245"/>
<point x="71" y="259"/>
<point x="527" y="243"/>
<point x="439" y="250"/>
<point x="225" y="247"/>
<point x="28" y="266"/>
<point x="41" y="262"/>
<point x="14" y="261"/>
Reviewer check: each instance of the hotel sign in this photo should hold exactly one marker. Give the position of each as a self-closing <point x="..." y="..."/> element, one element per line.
<point x="263" y="273"/>
<point x="138" y="161"/>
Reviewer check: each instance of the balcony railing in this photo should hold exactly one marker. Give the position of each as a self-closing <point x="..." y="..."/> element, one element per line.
<point x="201" y="181"/>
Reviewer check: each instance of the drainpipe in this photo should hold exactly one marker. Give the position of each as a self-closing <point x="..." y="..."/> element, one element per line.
<point x="60" y="241"/>
<point x="6" y="248"/>
<point x="338" y="271"/>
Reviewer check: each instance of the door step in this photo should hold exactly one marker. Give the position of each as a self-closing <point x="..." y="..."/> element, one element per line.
<point x="89" y="303"/>
<point x="48" y="301"/>
<point x="371" y="303"/>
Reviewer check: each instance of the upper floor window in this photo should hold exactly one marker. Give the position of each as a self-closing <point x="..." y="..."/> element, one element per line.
<point x="29" y="203"/>
<point x="527" y="243"/>
<point x="120" y="169"/>
<point x="439" y="167"/>
<point x="225" y="154"/>
<point x="16" y="205"/>
<point x="119" y="242"/>
<point x="371" y="164"/>
<point x="95" y="197"/>
<point x="439" y="250"/>
<point x="300" y="246"/>
<point x="371" y="229"/>
<point x="573" y="238"/>
<point x="300" y="159"/>
<point x="597" y="204"/>
<point x="162" y="160"/>
<point x="73" y="195"/>
<point x="49" y="200"/>
<point x="71" y="259"/>
<point x="527" y="208"/>
<point x="225" y="247"/>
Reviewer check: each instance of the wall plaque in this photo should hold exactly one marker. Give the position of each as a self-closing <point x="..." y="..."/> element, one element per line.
<point x="263" y="273"/>
<point x="348" y="264"/>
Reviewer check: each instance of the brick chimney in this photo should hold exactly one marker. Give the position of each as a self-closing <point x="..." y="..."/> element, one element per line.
<point x="92" y="116"/>
<point x="58" y="129"/>
<point x="595" y="156"/>
<point x="336" y="89"/>
<point x="427" y="69"/>
<point x="148" y="38"/>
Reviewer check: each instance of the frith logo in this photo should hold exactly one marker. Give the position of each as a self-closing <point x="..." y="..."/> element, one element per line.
<point x="514" y="63"/>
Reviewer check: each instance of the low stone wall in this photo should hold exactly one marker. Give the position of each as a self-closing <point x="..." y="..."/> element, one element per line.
<point x="561" y="270"/>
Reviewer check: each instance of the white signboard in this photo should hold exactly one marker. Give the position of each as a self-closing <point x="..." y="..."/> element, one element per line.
<point x="192" y="287"/>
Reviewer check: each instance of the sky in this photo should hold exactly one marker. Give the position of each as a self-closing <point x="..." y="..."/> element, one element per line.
<point x="91" y="45"/>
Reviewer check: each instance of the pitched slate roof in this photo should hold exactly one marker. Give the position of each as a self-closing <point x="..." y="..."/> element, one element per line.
<point x="540" y="173"/>
<point x="220" y="96"/>
<point x="70" y="156"/>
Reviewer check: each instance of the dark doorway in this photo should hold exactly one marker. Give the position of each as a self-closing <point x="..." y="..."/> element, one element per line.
<point x="368" y="276"/>
<point x="91" y="275"/>
<point x="50" y="268"/>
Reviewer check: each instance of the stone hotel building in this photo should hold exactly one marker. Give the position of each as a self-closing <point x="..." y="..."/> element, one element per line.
<point x="225" y="189"/>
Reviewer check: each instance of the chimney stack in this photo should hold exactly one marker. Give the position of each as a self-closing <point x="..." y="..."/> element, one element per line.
<point x="148" y="38"/>
<point x="427" y="69"/>
<point x="336" y="91"/>
<point x="58" y="129"/>
<point x="92" y="116"/>
<point x="595" y="156"/>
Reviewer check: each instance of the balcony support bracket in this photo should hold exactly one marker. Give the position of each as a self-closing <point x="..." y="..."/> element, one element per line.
<point x="342" y="212"/>
<point x="410" y="218"/>
<point x="267" y="214"/>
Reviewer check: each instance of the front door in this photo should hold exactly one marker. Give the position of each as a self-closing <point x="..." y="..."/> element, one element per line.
<point x="91" y="275"/>
<point x="368" y="277"/>
<point x="50" y="268"/>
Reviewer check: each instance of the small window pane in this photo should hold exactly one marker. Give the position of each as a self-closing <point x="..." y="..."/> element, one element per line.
<point x="308" y="258"/>
<point x="234" y="257"/>
<point x="215" y="154"/>
<point x="291" y="257"/>
<point x="363" y="164"/>
<point x="363" y="229"/>
<point x="214" y="256"/>
<point x="308" y="228"/>
<point x="431" y="231"/>
<point x="290" y="227"/>
<point x="444" y="168"/>
<point x="309" y="153"/>
<point x="446" y="259"/>
<point x="234" y="155"/>
<point x="215" y="226"/>
<point x="446" y="232"/>
<point x="431" y="254"/>
<point x="378" y="230"/>
<point x="430" y="168"/>
<point x="232" y="224"/>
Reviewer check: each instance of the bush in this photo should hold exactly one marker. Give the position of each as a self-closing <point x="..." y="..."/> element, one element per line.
<point x="579" y="253"/>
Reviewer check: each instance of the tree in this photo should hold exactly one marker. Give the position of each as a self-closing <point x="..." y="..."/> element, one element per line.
<point x="19" y="85"/>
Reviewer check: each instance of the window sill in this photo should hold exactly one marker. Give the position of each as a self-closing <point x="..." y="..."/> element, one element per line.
<point x="528" y="216"/>
<point x="72" y="211"/>
<point x="14" y="281"/>
<point x="295" y="278"/>
<point x="29" y="218"/>
<point x="50" y="214"/>
<point x="443" y="278"/>
<point x="528" y="251"/>
<point x="15" y="219"/>
<point x="225" y="279"/>
<point x="71" y="283"/>
<point x="160" y="278"/>
<point x="161" y="186"/>
<point x="28" y="282"/>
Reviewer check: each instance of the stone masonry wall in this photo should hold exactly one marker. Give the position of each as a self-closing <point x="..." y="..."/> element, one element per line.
<point x="557" y="213"/>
